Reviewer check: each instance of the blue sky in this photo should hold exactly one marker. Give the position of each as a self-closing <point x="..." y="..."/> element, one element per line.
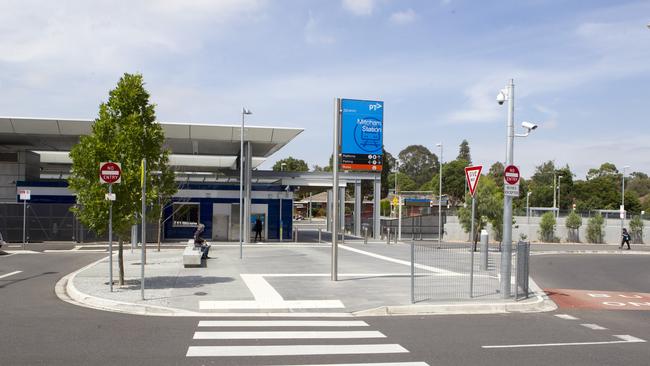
<point x="581" y="69"/>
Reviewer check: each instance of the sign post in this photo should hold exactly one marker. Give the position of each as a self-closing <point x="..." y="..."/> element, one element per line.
<point x="25" y="195"/>
<point x="472" y="174"/>
<point x="511" y="181"/>
<point x="110" y="173"/>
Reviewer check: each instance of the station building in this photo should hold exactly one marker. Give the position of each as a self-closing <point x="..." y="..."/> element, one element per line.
<point x="34" y="156"/>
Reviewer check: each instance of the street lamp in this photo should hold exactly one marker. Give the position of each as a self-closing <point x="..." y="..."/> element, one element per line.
<point x="282" y="165"/>
<point x="528" y="206"/>
<point x="559" y="203"/>
<point x="440" y="196"/>
<point x="244" y="112"/>
<point x="506" y="255"/>
<point x="623" y="197"/>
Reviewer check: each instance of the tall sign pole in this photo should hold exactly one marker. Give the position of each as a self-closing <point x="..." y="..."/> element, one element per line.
<point x="506" y="245"/>
<point x="25" y="195"/>
<point x="472" y="174"/>
<point x="144" y="225"/>
<point x="335" y="187"/>
<point x="110" y="173"/>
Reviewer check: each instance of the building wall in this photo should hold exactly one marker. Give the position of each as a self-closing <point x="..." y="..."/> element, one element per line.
<point x="15" y="167"/>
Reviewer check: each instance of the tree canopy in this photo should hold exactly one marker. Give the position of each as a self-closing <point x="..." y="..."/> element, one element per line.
<point x="463" y="152"/>
<point x="418" y="163"/>
<point x="290" y="165"/>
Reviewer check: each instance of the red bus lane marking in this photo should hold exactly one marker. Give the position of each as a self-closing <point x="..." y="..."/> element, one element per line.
<point x="595" y="299"/>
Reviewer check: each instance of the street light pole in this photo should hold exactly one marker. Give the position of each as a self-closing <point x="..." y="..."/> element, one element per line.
<point x="623" y="198"/>
<point x="244" y="112"/>
<point x="440" y="196"/>
<point x="506" y="247"/>
<point x="559" y="190"/>
<point x="282" y="165"/>
<point x="528" y="206"/>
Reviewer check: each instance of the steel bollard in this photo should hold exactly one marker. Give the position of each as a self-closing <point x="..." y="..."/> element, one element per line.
<point x="365" y="235"/>
<point x="387" y="235"/>
<point x="484" y="250"/>
<point x="319" y="231"/>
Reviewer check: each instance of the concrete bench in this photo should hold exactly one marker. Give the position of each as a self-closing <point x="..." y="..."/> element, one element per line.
<point x="192" y="255"/>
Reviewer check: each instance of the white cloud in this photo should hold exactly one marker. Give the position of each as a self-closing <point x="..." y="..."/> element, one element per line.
<point x="359" y="7"/>
<point x="313" y="34"/>
<point x="403" y="17"/>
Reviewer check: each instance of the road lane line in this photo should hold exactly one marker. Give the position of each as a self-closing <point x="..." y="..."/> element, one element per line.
<point x="10" y="274"/>
<point x="625" y="338"/>
<point x="282" y="323"/>
<point x="369" y="364"/>
<point x="293" y="350"/>
<point x="289" y="335"/>
<point x="593" y="326"/>
<point x="566" y="316"/>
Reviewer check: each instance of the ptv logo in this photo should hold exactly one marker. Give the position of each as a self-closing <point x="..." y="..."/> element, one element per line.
<point x="374" y="107"/>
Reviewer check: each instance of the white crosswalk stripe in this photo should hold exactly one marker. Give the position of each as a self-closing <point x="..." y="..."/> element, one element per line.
<point x="226" y="331"/>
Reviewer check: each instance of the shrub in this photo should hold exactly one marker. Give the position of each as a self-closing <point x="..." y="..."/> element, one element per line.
<point x="573" y="223"/>
<point x="636" y="230"/>
<point x="547" y="228"/>
<point x="595" y="229"/>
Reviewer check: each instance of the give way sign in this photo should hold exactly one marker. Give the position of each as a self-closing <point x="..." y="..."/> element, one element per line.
<point x="473" y="173"/>
<point x="110" y="172"/>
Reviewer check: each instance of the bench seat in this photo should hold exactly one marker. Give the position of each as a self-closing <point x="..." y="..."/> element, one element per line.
<point x="192" y="255"/>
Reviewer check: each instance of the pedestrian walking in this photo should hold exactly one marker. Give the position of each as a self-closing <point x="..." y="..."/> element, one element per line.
<point x="625" y="239"/>
<point x="258" y="228"/>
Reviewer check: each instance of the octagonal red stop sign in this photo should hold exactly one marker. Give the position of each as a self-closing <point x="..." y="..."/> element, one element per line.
<point x="110" y="172"/>
<point x="511" y="174"/>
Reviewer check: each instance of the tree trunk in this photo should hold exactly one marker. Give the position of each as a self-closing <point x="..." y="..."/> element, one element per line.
<point x="120" y="260"/>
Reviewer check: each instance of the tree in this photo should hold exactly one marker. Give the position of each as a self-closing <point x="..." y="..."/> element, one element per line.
<point x="404" y="183"/>
<point x="547" y="228"/>
<point x="463" y="152"/>
<point x="636" y="230"/>
<point x="418" y="163"/>
<point x="388" y="164"/>
<point x="604" y="170"/>
<point x="453" y="181"/>
<point x="573" y="223"/>
<point x="125" y="131"/>
<point x="595" y="229"/>
<point x="489" y="208"/>
<point x="496" y="172"/>
<point x="164" y="187"/>
<point x="290" y="165"/>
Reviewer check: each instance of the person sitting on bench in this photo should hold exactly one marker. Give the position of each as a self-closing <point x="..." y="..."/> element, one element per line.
<point x="200" y="243"/>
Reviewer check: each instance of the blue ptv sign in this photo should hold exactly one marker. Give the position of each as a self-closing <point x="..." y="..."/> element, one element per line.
<point x="362" y="135"/>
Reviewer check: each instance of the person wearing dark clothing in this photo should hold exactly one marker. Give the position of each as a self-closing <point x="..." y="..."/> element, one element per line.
<point x="200" y="243"/>
<point x="258" y="229"/>
<point x="625" y="239"/>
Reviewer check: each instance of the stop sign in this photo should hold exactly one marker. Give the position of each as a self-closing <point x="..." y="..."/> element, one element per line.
<point x="511" y="174"/>
<point x="110" y="172"/>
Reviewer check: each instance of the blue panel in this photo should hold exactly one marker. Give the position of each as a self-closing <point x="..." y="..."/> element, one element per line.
<point x="362" y="127"/>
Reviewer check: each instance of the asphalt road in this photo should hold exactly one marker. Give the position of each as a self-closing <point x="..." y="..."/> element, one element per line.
<point x="36" y="328"/>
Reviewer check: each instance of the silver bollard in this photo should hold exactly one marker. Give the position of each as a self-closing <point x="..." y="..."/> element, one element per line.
<point x="365" y="235"/>
<point x="319" y="231"/>
<point x="387" y="235"/>
<point x="484" y="250"/>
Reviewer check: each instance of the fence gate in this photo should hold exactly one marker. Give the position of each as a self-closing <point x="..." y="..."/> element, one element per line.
<point x="523" y="258"/>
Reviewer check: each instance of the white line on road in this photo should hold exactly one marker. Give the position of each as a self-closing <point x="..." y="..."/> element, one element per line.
<point x="261" y="289"/>
<point x="566" y="316"/>
<point x="593" y="326"/>
<point x="289" y="335"/>
<point x="399" y="261"/>
<point x="369" y="364"/>
<point x="293" y="350"/>
<point x="258" y="305"/>
<point x="282" y="323"/>
<point x="10" y="274"/>
<point x="625" y="338"/>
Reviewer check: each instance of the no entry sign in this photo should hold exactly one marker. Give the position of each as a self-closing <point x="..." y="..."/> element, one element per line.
<point x="110" y="172"/>
<point x="511" y="174"/>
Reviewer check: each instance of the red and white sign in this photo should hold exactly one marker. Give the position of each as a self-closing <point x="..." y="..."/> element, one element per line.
<point x="511" y="175"/>
<point x="110" y="172"/>
<point x="472" y="174"/>
<point x="25" y="194"/>
<point x="602" y="300"/>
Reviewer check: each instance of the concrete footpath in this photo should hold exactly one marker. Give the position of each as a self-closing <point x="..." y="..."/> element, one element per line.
<point x="282" y="279"/>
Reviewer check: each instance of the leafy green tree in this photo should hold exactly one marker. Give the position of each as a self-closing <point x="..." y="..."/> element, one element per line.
<point x="605" y="169"/>
<point x="290" y="165"/>
<point x="636" y="230"/>
<point x="489" y="208"/>
<point x="453" y="181"/>
<point x="125" y="131"/>
<point x="463" y="152"/>
<point x="385" y="207"/>
<point x="595" y="228"/>
<point x="404" y="182"/>
<point x="496" y="172"/>
<point x="573" y="223"/>
<point x="547" y="228"/>
<point x="164" y="187"/>
<point x="418" y="163"/>
<point x="388" y="164"/>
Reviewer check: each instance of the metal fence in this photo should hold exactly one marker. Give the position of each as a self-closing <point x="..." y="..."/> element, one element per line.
<point x="521" y="279"/>
<point x="419" y="227"/>
<point x="453" y="271"/>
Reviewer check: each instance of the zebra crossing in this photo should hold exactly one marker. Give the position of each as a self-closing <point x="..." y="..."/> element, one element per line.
<point x="255" y="338"/>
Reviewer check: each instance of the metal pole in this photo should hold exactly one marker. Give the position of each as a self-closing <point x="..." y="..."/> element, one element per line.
<point x="110" y="238"/>
<point x="622" y="213"/>
<point x="472" y="225"/>
<point x="144" y="225"/>
<point x="559" y="190"/>
<point x="554" y="190"/>
<point x="440" y="199"/>
<point x="310" y="207"/>
<point x="399" y="218"/>
<point x="506" y="247"/>
<point x="335" y="187"/>
<point x="281" y="216"/>
<point x="412" y="271"/>
<point x="24" y="222"/>
<point x="241" y="185"/>
<point x="471" y="268"/>
<point x="528" y="207"/>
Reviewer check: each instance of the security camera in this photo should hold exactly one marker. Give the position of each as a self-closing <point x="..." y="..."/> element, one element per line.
<point x="501" y="97"/>
<point x="528" y="125"/>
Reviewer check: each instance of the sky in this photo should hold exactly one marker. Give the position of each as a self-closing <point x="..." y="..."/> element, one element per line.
<point x="581" y="70"/>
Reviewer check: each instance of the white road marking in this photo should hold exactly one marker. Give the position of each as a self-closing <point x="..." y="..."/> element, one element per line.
<point x="10" y="274"/>
<point x="369" y="364"/>
<point x="566" y="316"/>
<point x="593" y="326"/>
<point x="625" y="338"/>
<point x="276" y="314"/>
<point x="293" y="350"/>
<point x="399" y="261"/>
<point x="282" y="323"/>
<point x="289" y="335"/>
<point x="261" y="289"/>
